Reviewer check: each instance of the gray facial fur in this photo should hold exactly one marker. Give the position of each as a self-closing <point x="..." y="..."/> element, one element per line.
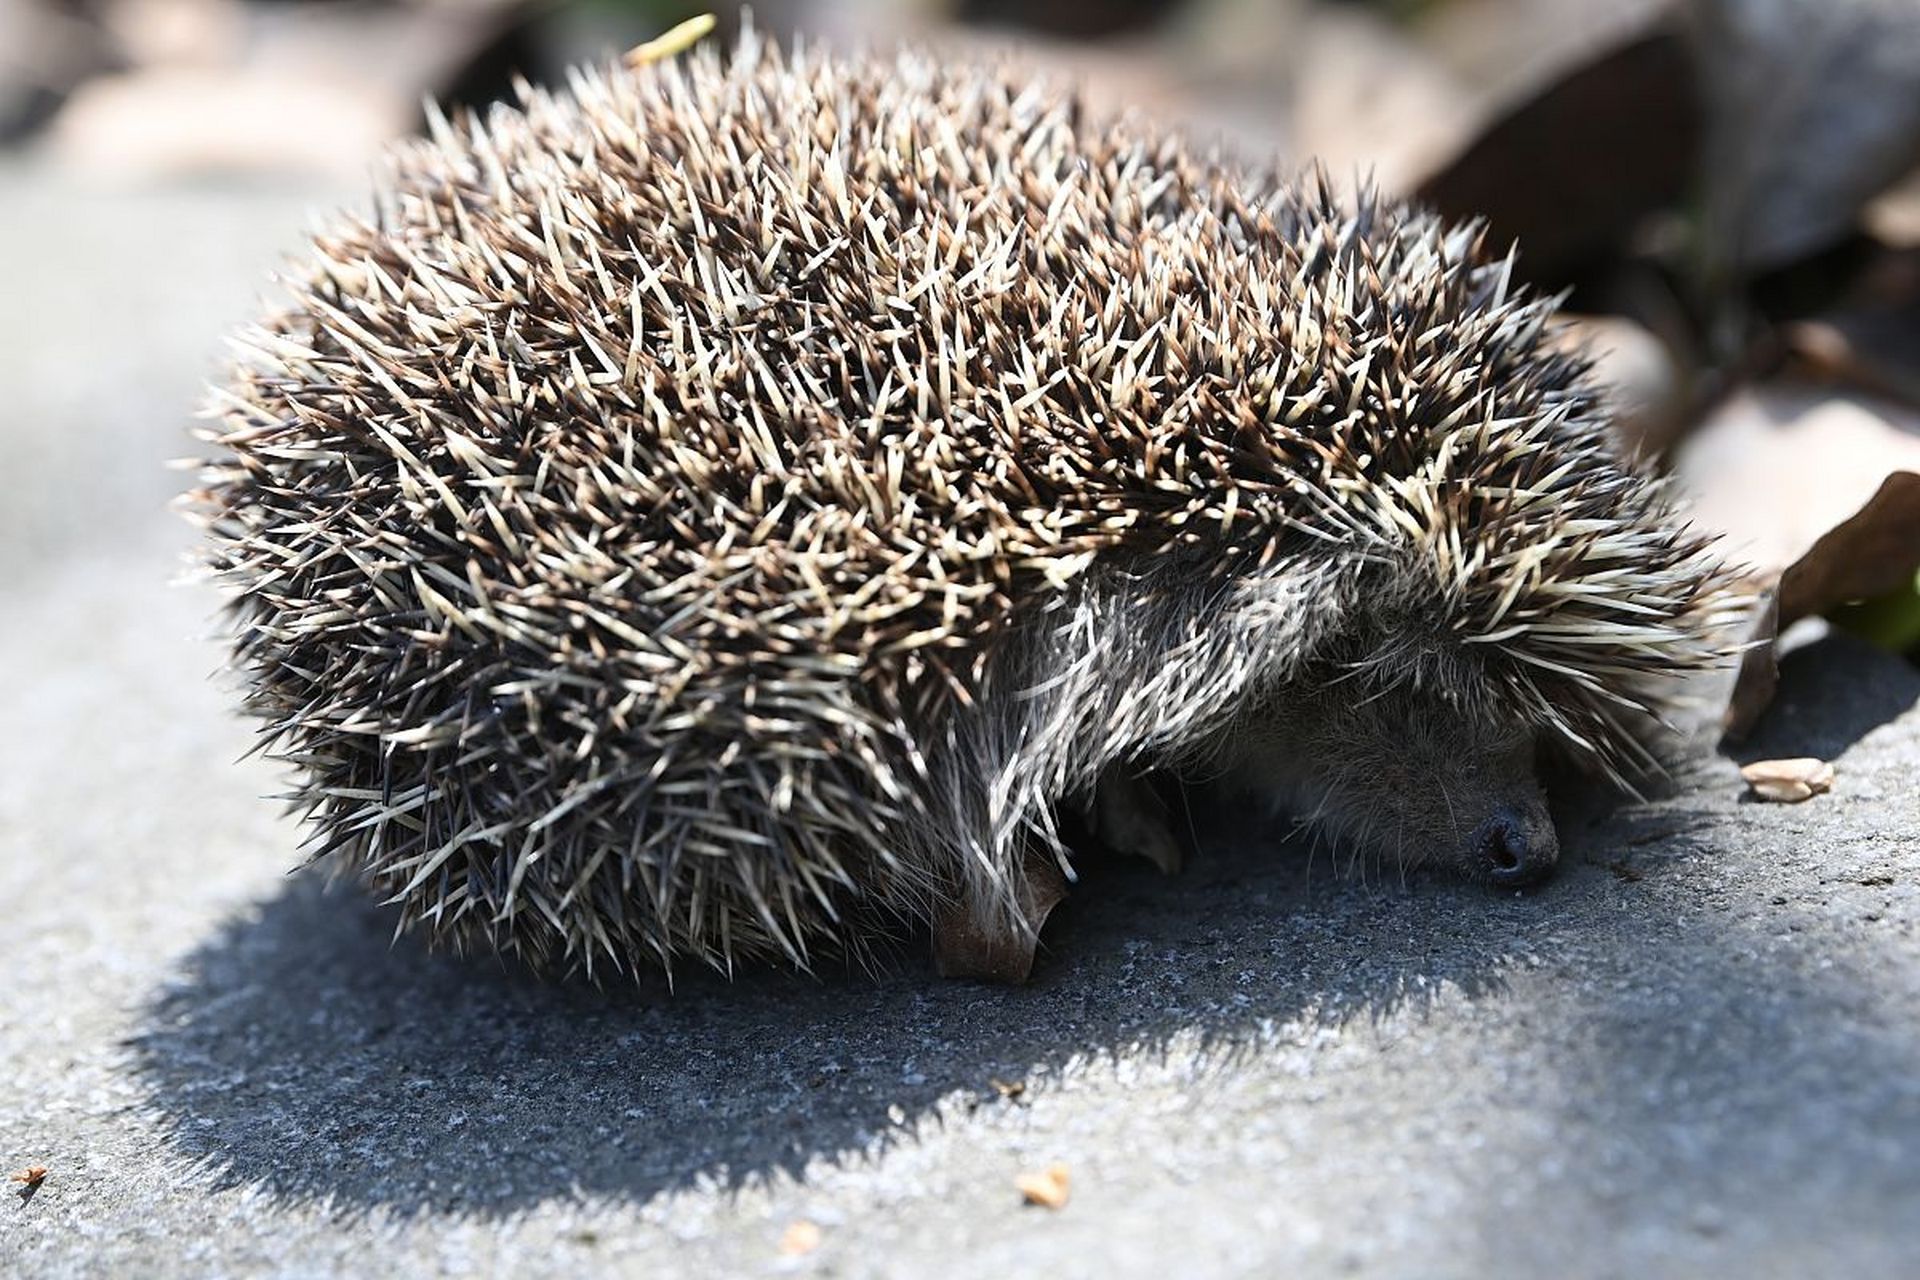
<point x="1409" y="777"/>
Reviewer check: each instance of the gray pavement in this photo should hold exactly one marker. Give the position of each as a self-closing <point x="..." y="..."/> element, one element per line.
<point x="1697" y="1052"/>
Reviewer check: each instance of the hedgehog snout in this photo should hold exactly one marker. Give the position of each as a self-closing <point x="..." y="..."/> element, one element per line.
<point x="1514" y="850"/>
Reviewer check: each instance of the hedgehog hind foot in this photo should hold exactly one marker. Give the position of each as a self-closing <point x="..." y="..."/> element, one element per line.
<point x="1130" y="814"/>
<point x="963" y="947"/>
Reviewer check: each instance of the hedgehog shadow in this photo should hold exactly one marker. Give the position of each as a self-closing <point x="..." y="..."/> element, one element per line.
<point x="1822" y="706"/>
<point x="303" y="1052"/>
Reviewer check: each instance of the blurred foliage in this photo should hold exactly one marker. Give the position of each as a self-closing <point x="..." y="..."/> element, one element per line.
<point x="1402" y="11"/>
<point x="1891" y="621"/>
<point x="650" y="13"/>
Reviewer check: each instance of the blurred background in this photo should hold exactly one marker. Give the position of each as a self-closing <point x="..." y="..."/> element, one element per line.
<point x="1725" y="188"/>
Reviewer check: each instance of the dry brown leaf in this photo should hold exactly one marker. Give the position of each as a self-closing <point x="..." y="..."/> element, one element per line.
<point x="1789" y="781"/>
<point x="45" y="49"/>
<point x="171" y="120"/>
<point x="1819" y="493"/>
<point x="1893" y="217"/>
<point x="801" y="1237"/>
<point x="1048" y="1188"/>
<point x="1646" y="387"/>
<point x="317" y="88"/>
<point x="1873" y="348"/>
<point x="1759" y="676"/>
<point x="1571" y="172"/>
<point x="1368" y="99"/>
<point x="192" y="33"/>
<point x="1813" y="108"/>
<point x="1172" y="79"/>
<point x="1509" y="50"/>
<point x="1874" y="551"/>
<point x="1776" y="467"/>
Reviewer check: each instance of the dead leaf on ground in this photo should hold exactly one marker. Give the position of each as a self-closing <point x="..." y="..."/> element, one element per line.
<point x="1048" y="1188"/>
<point x="1813" y="108"/>
<point x="1877" y="349"/>
<point x="313" y="88"/>
<point x="45" y="49"/>
<point x="1758" y="678"/>
<point x="1368" y="99"/>
<point x="1875" y="551"/>
<point x="1511" y="49"/>
<point x="1819" y="492"/>
<point x="152" y="33"/>
<point x="1789" y="781"/>
<point x="1646" y="387"/>
<point x="1571" y="172"/>
<point x="190" y="120"/>
<point x="1893" y="216"/>
<point x="1775" y="467"/>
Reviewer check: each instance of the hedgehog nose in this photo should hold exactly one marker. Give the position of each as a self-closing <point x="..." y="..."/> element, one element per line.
<point x="1513" y="852"/>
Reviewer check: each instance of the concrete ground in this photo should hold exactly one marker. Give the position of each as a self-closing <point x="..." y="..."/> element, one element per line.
<point x="1696" y="1053"/>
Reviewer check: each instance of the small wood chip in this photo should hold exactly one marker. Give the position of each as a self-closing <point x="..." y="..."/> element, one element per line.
<point x="677" y="40"/>
<point x="1047" y="1188"/>
<point x="33" y="1177"/>
<point x="801" y="1237"/>
<point x="1789" y="781"/>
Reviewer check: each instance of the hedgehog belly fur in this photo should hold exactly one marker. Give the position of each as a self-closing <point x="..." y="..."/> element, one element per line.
<point x="731" y="506"/>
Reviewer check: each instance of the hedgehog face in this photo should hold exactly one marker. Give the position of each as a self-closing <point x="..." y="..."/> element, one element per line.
<point x="1405" y="776"/>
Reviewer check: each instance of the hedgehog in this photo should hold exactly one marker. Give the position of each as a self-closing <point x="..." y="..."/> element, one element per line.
<point x="757" y="504"/>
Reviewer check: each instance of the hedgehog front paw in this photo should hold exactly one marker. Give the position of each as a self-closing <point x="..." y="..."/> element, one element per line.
<point x="963" y="947"/>
<point x="1130" y="816"/>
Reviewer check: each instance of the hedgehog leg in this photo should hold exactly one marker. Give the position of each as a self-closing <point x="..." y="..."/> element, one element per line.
<point x="1129" y="815"/>
<point x="964" y="948"/>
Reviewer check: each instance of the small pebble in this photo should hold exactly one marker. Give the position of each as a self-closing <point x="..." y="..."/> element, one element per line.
<point x="1789" y="781"/>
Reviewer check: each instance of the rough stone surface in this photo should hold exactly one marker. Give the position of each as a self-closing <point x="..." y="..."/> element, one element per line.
<point x="1695" y="1053"/>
